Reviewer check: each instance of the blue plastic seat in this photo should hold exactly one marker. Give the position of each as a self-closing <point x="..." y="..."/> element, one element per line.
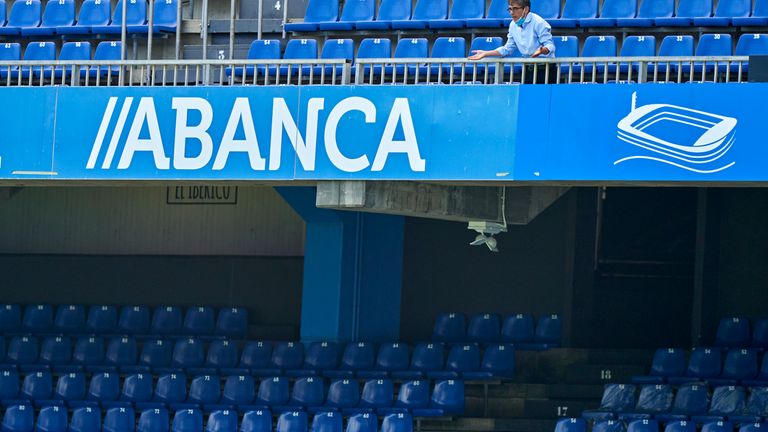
<point x="759" y="332"/>
<point x="3" y="10"/>
<point x="336" y="49"/>
<point x="733" y="332"/>
<point x="450" y="327"/>
<point x="518" y="328"/>
<point x="37" y="386"/>
<point x="37" y="318"/>
<point x="761" y="380"/>
<point x="409" y="48"/>
<point x="287" y="356"/>
<point x="608" y="426"/>
<point x="447" y="399"/>
<point x="549" y="328"/>
<point x="750" y="44"/>
<point x="751" y="427"/>
<point x="343" y="394"/>
<point x="412" y="395"/>
<point x="357" y="356"/>
<point x="164" y="14"/>
<point x="461" y="11"/>
<point x="166" y="320"/>
<point x="354" y="11"/>
<point x="104" y="387"/>
<point x="426" y="357"/>
<point x="477" y="71"/>
<point x="724" y="13"/>
<point x="461" y="358"/>
<point x="69" y="318"/>
<point x="135" y="15"/>
<point x="687" y="10"/>
<point x="547" y="9"/>
<point x="643" y="425"/>
<point x="317" y="11"/>
<point x="156" y="353"/>
<point x="424" y="12"/>
<point x="55" y="350"/>
<point x="10" y="314"/>
<point x="298" y="49"/>
<point x="680" y="426"/>
<point x="392" y="357"/>
<point x="756" y="408"/>
<point x="70" y="387"/>
<point x="85" y="419"/>
<point x="612" y="11"/>
<point x="257" y="355"/>
<point x="222" y="354"/>
<point x="389" y="11"/>
<point x="617" y="398"/>
<point x="154" y="420"/>
<point x="484" y="328"/>
<point x="648" y="11"/>
<point x="596" y="46"/>
<point x="690" y="399"/>
<point x="21" y="349"/>
<point x="495" y="16"/>
<point x="9" y="384"/>
<point x="119" y="419"/>
<point x="204" y="390"/>
<point x="326" y="422"/>
<point x="319" y="356"/>
<point x="134" y="320"/>
<point x="256" y="421"/>
<point x="101" y="318"/>
<point x="672" y="46"/>
<point x="717" y="426"/>
<point x="222" y="421"/>
<point x="273" y="392"/>
<point x="398" y="422"/>
<point x="308" y="392"/>
<point x="653" y="399"/>
<point x="18" y="418"/>
<point x="200" y="320"/>
<point x="726" y="401"/>
<point x="571" y="424"/>
<point x="92" y="13"/>
<point x="137" y="389"/>
<point x="377" y="394"/>
<point x="759" y="17"/>
<point x="56" y="14"/>
<point x="38" y="51"/>
<point x="239" y="390"/>
<point x="362" y="422"/>
<point x="88" y="351"/>
<point x="187" y="420"/>
<point x="373" y="48"/>
<point x="637" y="46"/>
<point x="23" y="14"/>
<point x="740" y="364"/>
<point x="260" y="49"/>
<point x="498" y="362"/>
<point x="704" y="363"/>
<point x="121" y="352"/>
<point x="52" y="419"/>
<point x="292" y="421"/>
<point x="573" y="12"/>
<point x="188" y="353"/>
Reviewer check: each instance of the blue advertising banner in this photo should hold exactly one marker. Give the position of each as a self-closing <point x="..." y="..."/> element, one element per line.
<point x="642" y="132"/>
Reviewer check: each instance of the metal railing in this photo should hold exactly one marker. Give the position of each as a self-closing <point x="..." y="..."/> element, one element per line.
<point x="374" y="71"/>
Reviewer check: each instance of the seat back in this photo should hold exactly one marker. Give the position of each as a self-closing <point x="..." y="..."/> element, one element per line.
<point x="642" y="46"/>
<point x="156" y="353"/>
<point x="166" y="320"/>
<point x="358" y="10"/>
<point x="222" y="421"/>
<point x="727" y="400"/>
<point x="377" y="393"/>
<point x="54" y="349"/>
<point x="704" y="362"/>
<point x="308" y="392"/>
<point x="101" y="318"/>
<point x="135" y="14"/>
<point x="643" y="425"/>
<point x="187" y="420"/>
<point x="273" y="391"/>
<point x="463" y="358"/>
<point x="9" y="384"/>
<point x="61" y="13"/>
<point x="89" y="350"/>
<point x="487" y="43"/>
<point x="70" y="387"/>
<point x="449" y="396"/>
<point x="430" y="10"/>
<point x="122" y="351"/>
<point x="85" y="419"/>
<point x="499" y="359"/>
<point x="119" y="419"/>
<point x="292" y="421"/>
<point x="549" y="328"/>
<point x="717" y="426"/>
<point x="133" y="319"/>
<point x="322" y="355"/>
<point x="338" y="49"/>
<point x="300" y="49"/>
<point x="3" y="14"/>
<point x="577" y="9"/>
<point x="399" y="422"/>
<point x="19" y="418"/>
<point x="694" y="8"/>
<point x="239" y="390"/>
<point x="188" y="353"/>
<point x="517" y="327"/>
<point x="733" y="8"/>
<point x="37" y="386"/>
<point x="760" y="8"/>
<point x="427" y="356"/>
<point x="94" y="13"/>
<point x="571" y="424"/>
<point x="566" y="46"/>
<point x="467" y="9"/>
<point x="204" y="389"/>
<point x="760" y="330"/>
<point x="105" y="386"/>
<point x="69" y="318"/>
<point x="619" y="9"/>
<point x="375" y="48"/>
<point x="668" y="362"/>
<point x="137" y="388"/>
<point x="165" y="13"/>
<point x="343" y="393"/>
<point x="413" y="394"/>
<point x="256" y="354"/>
<point x="154" y="420"/>
<point x="358" y="356"/>
<point x="691" y="398"/>
<point x="256" y="421"/>
<point x="200" y="320"/>
<point x="757" y="403"/>
<point x="449" y="47"/>
<point x="288" y="355"/>
<point x="21" y="349"/>
<point x="390" y="10"/>
<point x="222" y="354"/>
<point x="321" y="11"/>
<point x="449" y="327"/>
<point x="618" y="397"/>
<point x="498" y="10"/>
<point x="608" y="426"/>
<point x="751" y="427"/>
<point x="718" y="45"/>
<point x="52" y="419"/>
<point x="656" y="398"/>
<point x="599" y="46"/>
<point x="327" y="422"/>
<point x="38" y="318"/>
<point x="362" y="422"/>
<point x="264" y="49"/>
<point x="10" y="314"/>
<point x="171" y="388"/>
<point x="27" y="14"/>
<point x="753" y="44"/>
<point x="656" y="9"/>
<point x="740" y="364"/>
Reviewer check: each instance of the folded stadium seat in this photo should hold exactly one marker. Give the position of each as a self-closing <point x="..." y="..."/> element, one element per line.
<point x="70" y="387"/>
<point x="164" y="19"/>
<point x="19" y="418"/>
<point x="335" y="49"/>
<point x="201" y="320"/>
<point x="105" y="320"/>
<point x="687" y="10"/>
<point x="447" y="400"/>
<point x="461" y="358"/>
<point x="495" y="16"/>
<point x="573" y="12"/>
<point x="748" y="44"/>
<point x="104" y="388"/>
<point x="726" y="10"/>
<point x="342" y="394"/>
<point x="408" y="48"/>
<point x="549" y="328"/>
<point x="285" y="356"/>
<point x="516" y="328"/>
<point x="22" y="350"/>
<point x="498" y="362"/>
<point x="69" y="319"/>
<point x="137" y="389"/>
<point x="308" y="394"/>
<point x="690" y="399"/>
<point x="411" y="395"/>
<point x="673" y="46"/>
<point x="55" y="350"/>
<point x="222" y="421"/>
<point x="424" y="12"/>
<point x="119" y="419"/>
<point x="85" y="419"/>
<point x="461" y="11"/>
<point x="399" y="422"/>
<point x="617" y="398"/>
<point x="256" y="355"/>
<point x="377" y="394"/>
<point x="153" y="420"/>
<point x="705" y="363"/>
<point x="608" y="426"/>
<point x="260" y="49"/>
<point x="327" y="422"/>
<point x="171" y="389"/>
<point x="449" y="327"/>
<point x="653" y="399"/>
<point x="755" y="409"/>
<point x="389" y="10"/>
<point x="317" y="11"/>
<point x="643" y="425"/>
<point x="446" y="47"/>
<point x="484" y="328"/>
<point x="477" y="71"/>
<point x="232" y="322"/>
<point x="89" y="351"/>
<point x="718" y="426"/>
<point x="363" y="422"/>
<point x="641" y="46"/>
<point x="59" y="13"/>
<point x="156" y="354"/>
<point x="121" y="351"/>
<point x="222" y="355"/>
<point x="92" y="13"/>
<point x="135" y="15"/>
<point x="3" y="10"/>
<point x="612" y="10"/>
<point x="649" y="10"/>
<point x="357" y="356"/>
<point x="239" y="391"/>
<point x="188" y="354"/>
<point x="759" y="17"/>
<point x="426" y="357"/>
<point x="203" y="390"/>
<point x="36" y="386"/>
<point x="256" y="421"/>
<point x="293" y="421"/>
<point x="571" y="424"/>
<point x="273" y="392"/>
<point x="52" y="419"/>
<point x="9" y="384"/>
<point x="733" y="332"/>
<point x="373" y="48"/>
<point x="187" y="420"/>
<point x="354" y="11"/>
<point x="37" y="318"/>
<point x="10" y="314"/>
<point x="101" y="318"/>
<point x="726" y="401"/>
<point x="23" y="14"/>
<point x="667" y="362"/>
<point x="392" y="357"/>
<point x="134" y="320"/>
<point x="680" y="426"/>
<point x="740" y="364"/>
<point x="166" y="320"/>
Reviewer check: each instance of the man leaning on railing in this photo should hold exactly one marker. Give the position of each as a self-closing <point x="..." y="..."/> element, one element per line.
<point x="531" y="35"/>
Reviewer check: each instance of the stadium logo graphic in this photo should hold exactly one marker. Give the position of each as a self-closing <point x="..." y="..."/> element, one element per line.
<point x="682" y="137"/>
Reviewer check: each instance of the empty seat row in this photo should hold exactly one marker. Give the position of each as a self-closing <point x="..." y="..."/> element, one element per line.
<point x="46" y="51"/>
<point x="323" y="15"/>
<point x="692" y="402"/>
<point x="239" y="392"/>
<point x="515" y="328"/>
<point x="21" y="418"/>
<point x="736" y="332"/>
<point x="27" y="18"/>
<point x="109" y="319"/>
<point x="706" y="364"/>
<point x="645" y="425"/>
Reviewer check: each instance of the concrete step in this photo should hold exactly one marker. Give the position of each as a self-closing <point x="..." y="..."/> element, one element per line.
<point x="574" y="391"/>
<point x="487" y="425"/>
<point x="636" y="357"/>
<point x="602" y="373"/>
<point x="551" y="409"/>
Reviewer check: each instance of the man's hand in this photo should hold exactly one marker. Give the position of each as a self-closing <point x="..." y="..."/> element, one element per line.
<point x="540" y="51"/>
<point x="478" y="55"/>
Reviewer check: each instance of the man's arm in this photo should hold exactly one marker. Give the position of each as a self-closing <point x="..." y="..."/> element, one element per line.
<point x="544" y="35"/>
<point x="501" y="51"/>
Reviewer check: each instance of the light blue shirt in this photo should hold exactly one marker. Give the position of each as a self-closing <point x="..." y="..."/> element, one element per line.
<point x="534" y="33"/>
